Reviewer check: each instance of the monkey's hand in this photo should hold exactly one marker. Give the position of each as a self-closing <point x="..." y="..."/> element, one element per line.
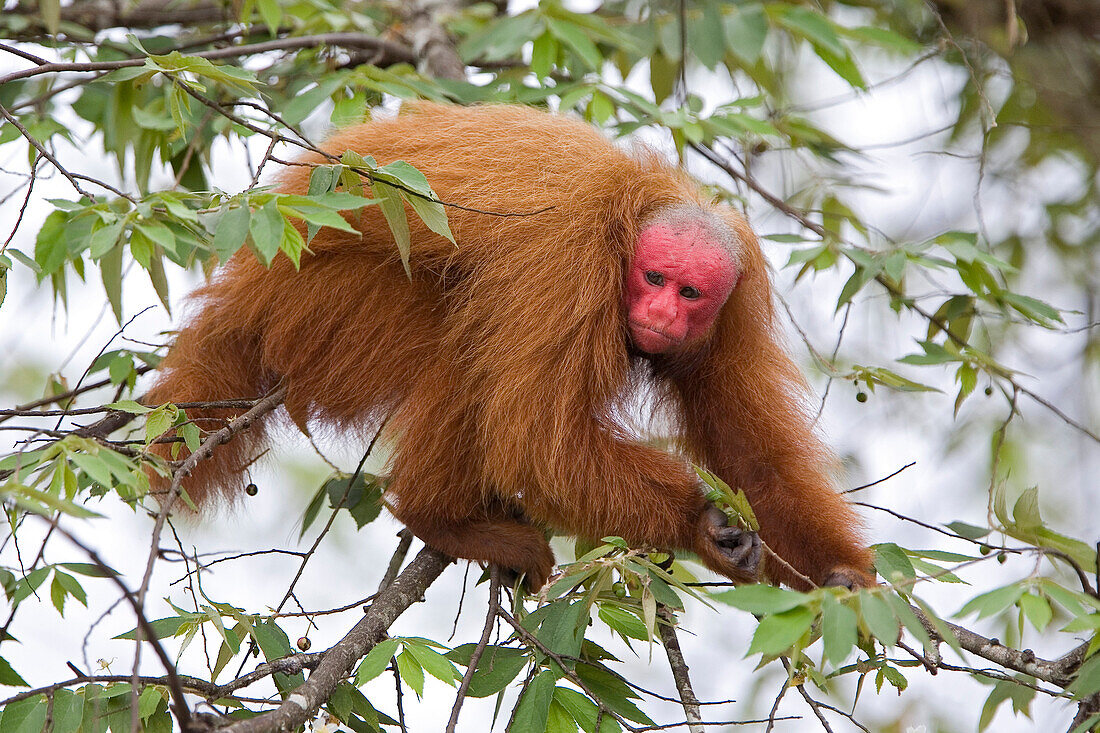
<point x="732" y="551"/>
<point x="850" y="578"/>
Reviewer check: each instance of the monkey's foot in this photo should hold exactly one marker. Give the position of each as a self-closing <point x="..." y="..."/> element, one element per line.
<point x="532" y="580"/>
<point x="849" y="578"/>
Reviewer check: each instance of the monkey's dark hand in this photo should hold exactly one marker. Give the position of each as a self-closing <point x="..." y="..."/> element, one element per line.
<point x="737" y="547"/>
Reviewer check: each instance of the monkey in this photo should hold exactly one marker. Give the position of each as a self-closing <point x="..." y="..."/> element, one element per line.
<point x="503" y="363"/>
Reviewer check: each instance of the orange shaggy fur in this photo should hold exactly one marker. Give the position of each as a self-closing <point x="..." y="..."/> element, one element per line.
<point x="504" y="360"/>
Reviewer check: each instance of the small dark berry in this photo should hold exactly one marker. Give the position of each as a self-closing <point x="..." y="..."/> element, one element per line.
<point x="304" y="643"/>
<point x="988" y="391"/>
<point x="861" y="396"/>
<point x="251" y="489"/>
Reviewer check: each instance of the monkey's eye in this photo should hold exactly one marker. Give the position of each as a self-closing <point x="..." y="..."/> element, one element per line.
<point x="689" y="292"/>
<point x="654" y="278"/>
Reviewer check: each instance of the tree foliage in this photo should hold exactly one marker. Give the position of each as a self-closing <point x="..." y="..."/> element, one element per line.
<point x="167" y="91"/>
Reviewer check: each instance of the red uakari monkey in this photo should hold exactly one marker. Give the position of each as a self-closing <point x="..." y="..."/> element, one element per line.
<point x="506" y="364"/>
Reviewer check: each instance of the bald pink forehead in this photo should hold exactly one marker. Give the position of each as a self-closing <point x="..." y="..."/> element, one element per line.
<point x="690" y="248"/>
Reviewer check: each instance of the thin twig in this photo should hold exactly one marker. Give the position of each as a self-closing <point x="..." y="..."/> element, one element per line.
<point x="179" y="702"/>
<point x="666" y="626"/>
<point x="475" y="656"/>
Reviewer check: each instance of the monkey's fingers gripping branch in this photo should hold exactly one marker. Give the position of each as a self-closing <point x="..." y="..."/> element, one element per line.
<point x="731" y="525"/>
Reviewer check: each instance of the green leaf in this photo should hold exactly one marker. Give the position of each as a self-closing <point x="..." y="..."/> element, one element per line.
<point x="1025" y="512"/>
<point x="157" y="423"/>
<point x="1037" y="610"/>
<point x="894" y="677"/>
<point x="809" y="24"/>
<point x="24" y="716"/>
<point x="559" y="720"/>
<point x="1034" y="309"/>
<point x="534" y="707"/>
<point x="393" y="209"/>
<point x="405" y="175"/>
<point x="884" y="37"/>
<point x="306" y="103"/>
<point x="624" y="622"/>
<point x="292" y="244"/>
<point x="266" y="227"/>
<point x="149" y="700"/>
<point x="969" y="531"/>
<point x="909" y="620"/>
<point x="110" y="270"/>
<point x="433" y="214"/>
<point x="274" y="643"/>
<point x="496" y="669"/>
<point x="71" y="586"/>
<point x="68" y="711"/>
<point x="993" y="602"/>
<point x="933" y="354"/>
<point x="376" y="661"/>
<point x="892" y="563"/>
<point x="50" y="248"/>
<point x="94" y="467"/>
<point x="433" y="662"/>
<point x="231" y="231"/>
<point x="51" y="15"/>
<point x="309" y="516"/>
<point x="562" y="627"/>
<point x="706" y="39"/>
<point x="104" y="239"/>
<point x="1086" y="684"/>
<point x="614" y="693"/>
<point x="584" y="711"/>
<point x="543" y="55"/>
<point x="9" y="677"/>
<point x="878" y="616"/>
<point x="164" y="627"/>
<point x="779" y="632"/>
<point x="411" y="672"/>
<point x="746" y="29"/>
<point x="44" y="503"/>
<point x="761" y="599"/>
<point x="574" y="37"/>
<point x="838" y="629"/>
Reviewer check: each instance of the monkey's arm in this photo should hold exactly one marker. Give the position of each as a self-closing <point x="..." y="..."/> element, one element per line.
<point x="546" y="406"/>
<point x="744" y="419"/>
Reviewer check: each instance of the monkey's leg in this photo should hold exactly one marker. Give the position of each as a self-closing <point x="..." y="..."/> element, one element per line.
<point x="441" y="494"/>
<point x="509" y="544"/>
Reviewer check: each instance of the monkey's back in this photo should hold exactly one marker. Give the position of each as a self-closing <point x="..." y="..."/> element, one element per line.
<point x="351" y="336"/>
<point x="514" y="174"/>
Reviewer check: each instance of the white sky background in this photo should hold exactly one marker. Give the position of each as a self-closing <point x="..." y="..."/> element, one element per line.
<point x="921" y="193"/>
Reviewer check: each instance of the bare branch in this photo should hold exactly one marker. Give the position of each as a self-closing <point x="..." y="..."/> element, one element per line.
<point x="475" y="656"/>
<point x="431" y="44"/>
<point x="667" y="629"/>
<point x="303" y="702"/>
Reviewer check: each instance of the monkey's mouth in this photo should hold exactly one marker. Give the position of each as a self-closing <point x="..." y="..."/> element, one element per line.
<point x="652" y="340"/>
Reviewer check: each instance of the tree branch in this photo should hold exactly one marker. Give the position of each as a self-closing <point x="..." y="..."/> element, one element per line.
<point x="679" y="667"/>
<point x="304" y="701"/>
<point x="431" y="43"/>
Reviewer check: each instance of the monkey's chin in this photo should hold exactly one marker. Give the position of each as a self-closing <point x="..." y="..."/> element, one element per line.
<point x="651" y="341"/>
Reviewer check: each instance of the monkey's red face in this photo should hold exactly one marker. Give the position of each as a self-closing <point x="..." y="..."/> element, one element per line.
<point x="677" y="283"/>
